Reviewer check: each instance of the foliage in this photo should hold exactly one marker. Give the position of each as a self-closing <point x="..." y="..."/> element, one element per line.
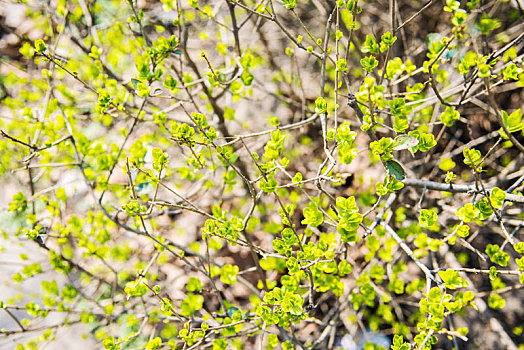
<point x="241" y="174"/>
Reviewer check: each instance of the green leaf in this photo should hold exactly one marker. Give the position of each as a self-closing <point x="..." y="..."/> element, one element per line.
<point x="485" y="209"/>
<point x="370" y="45"/>
<point x="297" y="178"/>
<point x="40" y="46"/>
<point x="377" y="273"/>
<point x="383" y="148"/>
<point x="472" y="157"/>
<point x="344" y="268"/>
<point x="452" y="279"/>
<point x="399" y="344"/>
<point x="513" y="122"/>
<point x="346" y="206"/>
<point x="269" y="185"/>
<point x="312" y="215"/>
<point x="320" y="105"/>
<point x="389" y="185"/>
<point x="484" y="70"/>
<point x="228" y="274"/>
<point x="427" y="217"/>
<point x="19" y="203"/>
<point x="246" y="78"/>
<point x="229" y="113"/>
<point x="154" y="344"/>
<point x="449" y="116"/>
<point x="519" y="247"/>
<point x="446" y="164"/>
<point x="426" y="141"/>
<point x="495" y="301"/>
<point x="467" y="213"/>
<point x="400" y="123"/>
<point x="290" y="4"/>
<point x="369" y="63"/>
<point x="135" y="289"/>
<point x="342" y="65"/>
<point x="463" y="231"/>
<point x="497" y="255"/>
<point x="194" y="285"/>
<point x="159" y="159"/>
<point x="396" y="286"/>
<point x="170" y="82"/>
<point x="394" y="168"/>
<point x="386" y="41"/>
<point x="142" y="90"/>
<point x="511" y="72"/>
<point x="487" y="24"/>
<point x="293" y="266"/>
<point x="272" y="340"/>
<point x="191" y="304"/>
<point x="348" y="227"/>
<point x="109" y="343"/>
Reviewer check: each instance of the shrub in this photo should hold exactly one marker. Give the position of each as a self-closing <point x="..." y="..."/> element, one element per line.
<point x="241" y="174"/>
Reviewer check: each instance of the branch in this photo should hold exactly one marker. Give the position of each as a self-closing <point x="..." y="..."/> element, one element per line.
<point x="409" y="252"/>
<point x="493" y="104"/>
<point x="16" y="140"/>
<point x="439" y="186"/>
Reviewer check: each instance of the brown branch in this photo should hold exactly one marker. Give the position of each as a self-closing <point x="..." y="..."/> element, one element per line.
<point x="16" y="140"/>
<point x="493" y="104"/>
